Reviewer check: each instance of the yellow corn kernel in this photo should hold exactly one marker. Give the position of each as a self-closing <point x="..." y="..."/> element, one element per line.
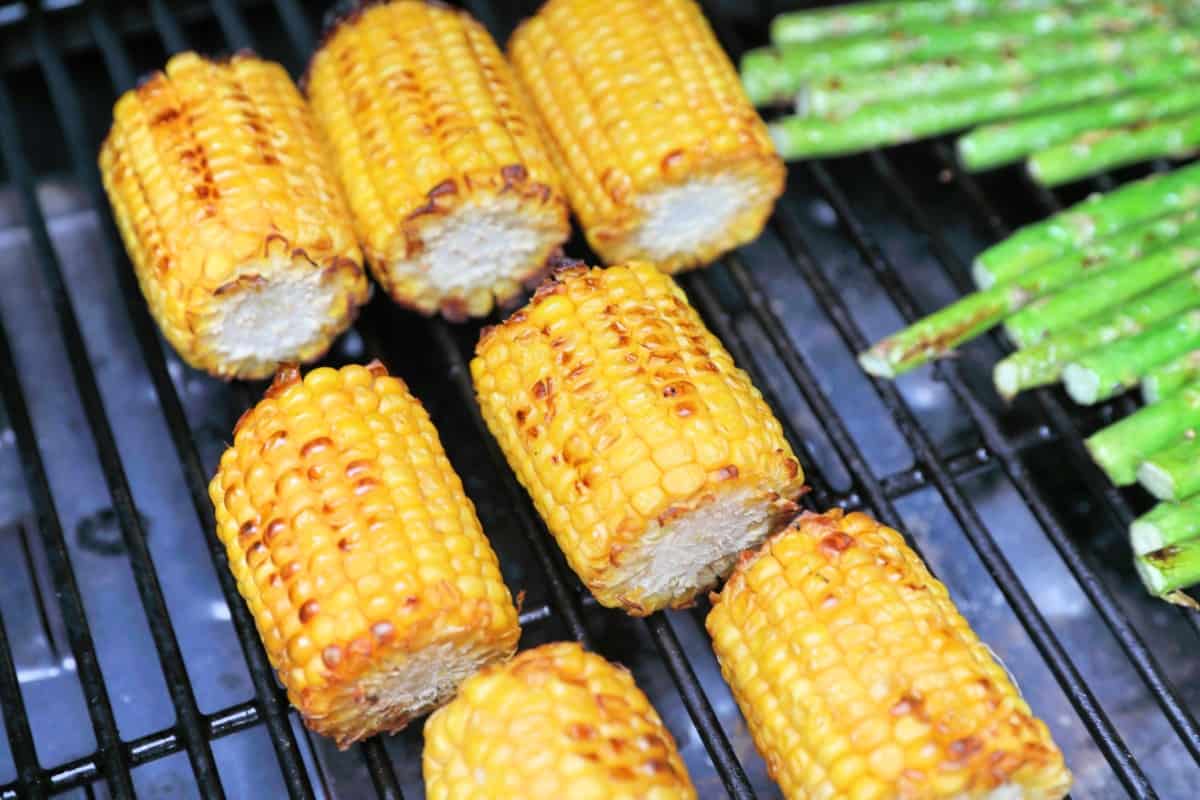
<point x="839" y="706"/>
<point x="662" y="156"/>
<point x="232" y="215"/>
<point x="453" y="193"/>
<point x="615" y="406"/>
<point x="555" y="723"/>
<point x="360" y="557"/>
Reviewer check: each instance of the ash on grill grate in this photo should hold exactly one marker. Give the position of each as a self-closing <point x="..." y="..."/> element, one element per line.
<point x="1002" y="500"/>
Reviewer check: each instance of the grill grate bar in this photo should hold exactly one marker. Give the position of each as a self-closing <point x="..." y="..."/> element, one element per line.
<point x="66" y="99"/>
<point x="1099" y="596"/>
<point x="16" y="723"/>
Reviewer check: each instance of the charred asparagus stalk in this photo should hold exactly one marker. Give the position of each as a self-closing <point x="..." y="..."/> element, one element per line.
<point x="1094" y="218"/>
<point x="1001" y="143"/>
<point x="1120" y="448"/>
<point x="840" y="94"/>
<point x="1108" y="148"/>
<point x="775" y="74"/>
<point x="1103" y="373"/>
<point x="1170" y="377"/>
<point x="937" y="334"/>
<point x="1171" y="568"/>
<point x="1106" y="289"/>
<point x="1165" y="525"/>
<point x="1174" y="473"/>
<point x="1043" y="363"/>
<point x="815" y="25"/>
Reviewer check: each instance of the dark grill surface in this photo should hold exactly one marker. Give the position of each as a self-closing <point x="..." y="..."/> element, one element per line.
<point x="128" y="665"/>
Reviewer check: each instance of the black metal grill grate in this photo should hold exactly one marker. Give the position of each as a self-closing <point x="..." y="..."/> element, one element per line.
<point x="856" y="247"/>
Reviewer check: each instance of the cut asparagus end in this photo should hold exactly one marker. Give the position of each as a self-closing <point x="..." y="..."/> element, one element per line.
<point x="1150" y="391"/>
<point x="1082" y="384"/>
<point x="982" y="275"/>
<point x="1111" y="458"/>
<point x="1145" y="537"/>
<point x="1170" y="569"/>
<point x="1153" y="578"/>
<point x="875" y="364"/>
<point x="1007" y="379"/>
<point x="779" y="138"/>
<point x="1157" y="480"/>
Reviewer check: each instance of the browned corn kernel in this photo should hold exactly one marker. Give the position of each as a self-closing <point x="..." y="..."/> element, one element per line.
<point x="555" y="723"/>
<point x="662" y="156"/>
<point x="232" y="216"/>
<point x="372" y="585"/>
<point x="650" y="456"/>
<point x="860" y="679"/>
<point x="453" y="193"/>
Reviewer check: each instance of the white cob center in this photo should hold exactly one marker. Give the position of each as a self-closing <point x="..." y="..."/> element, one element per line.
<point x="476" y="245"/>
<point x="692" y="215"/>
<point x="275" y="321"/>
<point x="695" y="549"/>
<point x="410" y="684"/>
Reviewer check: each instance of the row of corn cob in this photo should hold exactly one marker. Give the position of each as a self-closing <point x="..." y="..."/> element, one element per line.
<point x="1104" y="296"/>
<point x="1096" y="85"/>
<point x="451" y="167"/>
<point x="651" y="457"/>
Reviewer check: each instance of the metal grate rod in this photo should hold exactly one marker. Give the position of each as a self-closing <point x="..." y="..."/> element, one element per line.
<point x="16" y="723"/>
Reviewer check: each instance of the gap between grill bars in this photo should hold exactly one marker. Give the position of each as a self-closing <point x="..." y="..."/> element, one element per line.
<point x="193" y="732"/>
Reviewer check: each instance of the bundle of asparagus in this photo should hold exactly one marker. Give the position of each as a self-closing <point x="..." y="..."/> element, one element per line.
<point x="1104" y="296"/>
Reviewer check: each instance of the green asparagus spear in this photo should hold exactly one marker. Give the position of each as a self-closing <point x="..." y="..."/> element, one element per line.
<point x="1170" y="569"/>
<point x="1107" y="289"/>
<point x="1004" y="142"/>
<point x="773" y="75"/>
<point x="1043" y="363"/>
<point x="1121" y="447"/>
<point x="1168" y="378"/>
<point x="819" y="24"/>
<point x="1101" y="374"/>
<point x="1174" y="473"/>
<point x="903" y="120"/>
<point x="1109" y="148"/>
<point x="1096" y="217"/>
<point x="939" y="333"/>
<point x="842" y="93"/>
<point x="1164" y="525"/>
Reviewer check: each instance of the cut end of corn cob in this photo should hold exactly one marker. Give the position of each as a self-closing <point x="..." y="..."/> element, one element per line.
<point x="232" y="216"/>
<point x="662" y="156"/>
<point x="360" y="557"/>
<point x="555" y="723"/>
<point x="859" y="678"/>
<point x="650" y="456"/>
<point x="453" y="192"/>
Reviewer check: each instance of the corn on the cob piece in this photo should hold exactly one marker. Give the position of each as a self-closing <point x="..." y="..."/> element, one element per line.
<point x="362" y="560"/>
<point x="859" y="678"/>
<point x="232" y="215"/>
<point x="650" y="456"/>
<point x="555" y="723"/>
<point x="662" y="156"/>
<point x="453" y="194"/>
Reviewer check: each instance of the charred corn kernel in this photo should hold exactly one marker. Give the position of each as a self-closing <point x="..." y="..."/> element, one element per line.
<point x="650" y="456"/>
<point x="232" y="215"/>
<point x="555" y="723"/>
<point x="662" y="156"/>
<point x="359" y="555"/>
<point x="454" y="196"/>
<point x="859" y="678"/>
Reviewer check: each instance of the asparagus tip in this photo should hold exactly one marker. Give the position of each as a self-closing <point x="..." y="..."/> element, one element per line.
<point x="875" y="364"/>
<point x="1082" y="384"/>
<point x="1152" y="577"/>
<point x="1007" y="378"/>
<point x="1157" y="480"/>
<point x="982" y="275"/>
<point x="1144" y="537"/>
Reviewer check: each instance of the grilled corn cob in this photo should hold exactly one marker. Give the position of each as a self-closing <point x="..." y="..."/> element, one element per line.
<point x="232" y="216"/>
<point x="453" y="194"/>
<point x="650" y="456"/>
<point x="662" y="156"/>
<point x="362" y="560"/>
<point x="859" y="678"/>
<point x="555" y="723"/>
